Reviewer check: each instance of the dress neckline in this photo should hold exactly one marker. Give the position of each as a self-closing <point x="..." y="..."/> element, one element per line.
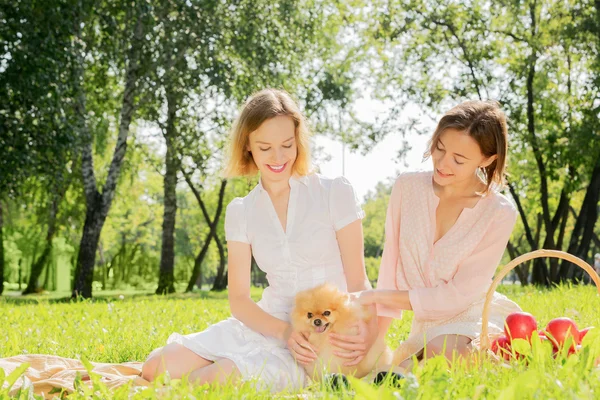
<point x="466" y="211"/>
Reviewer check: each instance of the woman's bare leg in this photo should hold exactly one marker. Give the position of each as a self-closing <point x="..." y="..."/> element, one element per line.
<point x="175" y="358"/>
<point x="449" y="346"/>
<point x="220" y="371"/>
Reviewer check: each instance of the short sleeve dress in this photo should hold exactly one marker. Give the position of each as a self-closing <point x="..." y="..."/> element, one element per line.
<point x="303" y="256"/>
<point x="447" y="280"/>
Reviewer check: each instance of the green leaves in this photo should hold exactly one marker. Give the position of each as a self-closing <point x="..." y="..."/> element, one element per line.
<point x="36" y="134"/>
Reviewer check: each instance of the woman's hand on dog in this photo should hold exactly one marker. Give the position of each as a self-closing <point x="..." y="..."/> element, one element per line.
<point x="355" y="346"/>
<point x="300" y="348"/>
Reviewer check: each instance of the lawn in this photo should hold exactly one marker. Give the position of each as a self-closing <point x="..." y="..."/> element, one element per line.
<point x="126" y="328"/>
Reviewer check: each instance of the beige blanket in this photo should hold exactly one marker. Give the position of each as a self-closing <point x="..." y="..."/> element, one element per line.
<point x="47" y="372"/>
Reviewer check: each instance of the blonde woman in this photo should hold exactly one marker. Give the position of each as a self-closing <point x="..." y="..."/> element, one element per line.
<point x="302" y="229"/>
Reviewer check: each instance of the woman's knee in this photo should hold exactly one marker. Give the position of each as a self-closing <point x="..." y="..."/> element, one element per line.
<point x="158" y="359"/>
<point x="149" y="368"/>
<point x="154" y="352"/>
<point x="433" y="347"/>
<point x="219" y="372"/>
<point x="447" y="345"/>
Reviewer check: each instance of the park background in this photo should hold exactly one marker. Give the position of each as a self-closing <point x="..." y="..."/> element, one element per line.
<point x="114" y="117"/>
<point x="113" y="121"/>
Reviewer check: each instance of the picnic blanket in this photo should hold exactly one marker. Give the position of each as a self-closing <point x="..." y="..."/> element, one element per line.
<point x="47" y="372"/>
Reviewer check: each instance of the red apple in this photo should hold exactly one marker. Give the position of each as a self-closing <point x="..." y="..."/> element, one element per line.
<point x="575" y="349"/>
<point x="559" y="329"/>
<point x="520" y="325"/>
<point x="501" y="347"/>
<point x="543" y="337"/>
<point x="583" y="332"/>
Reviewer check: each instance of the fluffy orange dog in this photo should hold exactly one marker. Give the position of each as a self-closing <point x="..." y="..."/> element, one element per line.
<point x="325" y="309"/>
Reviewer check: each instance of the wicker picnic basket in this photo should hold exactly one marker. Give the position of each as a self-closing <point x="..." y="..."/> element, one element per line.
<point x="484" y="344"/>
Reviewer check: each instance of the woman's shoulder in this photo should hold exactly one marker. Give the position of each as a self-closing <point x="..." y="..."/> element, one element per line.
<point x="502" y="205"/>
<point x="240" y="204"/>
<point x="325" y="182"/>
<point x="236" y="206"/>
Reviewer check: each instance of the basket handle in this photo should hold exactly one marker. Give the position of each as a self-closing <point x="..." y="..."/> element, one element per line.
<point x="484" y="340"/>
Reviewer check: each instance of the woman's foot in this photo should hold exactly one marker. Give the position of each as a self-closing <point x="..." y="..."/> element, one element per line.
<point x="394" y="378"/>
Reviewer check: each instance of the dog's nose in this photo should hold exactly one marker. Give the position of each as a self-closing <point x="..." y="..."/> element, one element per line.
<point x="317" y="322"/>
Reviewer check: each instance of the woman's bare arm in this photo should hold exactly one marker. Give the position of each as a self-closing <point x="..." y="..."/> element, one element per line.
<point x="247" y="311"/>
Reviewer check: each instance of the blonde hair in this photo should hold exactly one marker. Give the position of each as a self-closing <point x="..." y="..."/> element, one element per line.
<point x="485" y="122"/>
<point x="261" y="106"/>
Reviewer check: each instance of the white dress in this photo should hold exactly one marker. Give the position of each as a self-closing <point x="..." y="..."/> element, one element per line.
<point x="304" y="256"/>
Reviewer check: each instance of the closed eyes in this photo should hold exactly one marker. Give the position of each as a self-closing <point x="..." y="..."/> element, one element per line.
<point x="455" y="160"/>
<point x="268" y="148"/>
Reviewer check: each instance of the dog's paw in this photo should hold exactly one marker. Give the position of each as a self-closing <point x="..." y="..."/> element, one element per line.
<point x="394" y="378"/>
<point x="336" y="381"/>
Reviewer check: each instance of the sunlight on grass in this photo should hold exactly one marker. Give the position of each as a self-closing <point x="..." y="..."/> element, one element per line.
<point x="126" y="327"/>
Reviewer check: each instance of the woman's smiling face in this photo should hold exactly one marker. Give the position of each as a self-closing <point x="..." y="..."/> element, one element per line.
<point x="273" y="148"/>
<point x="456" y="158"/>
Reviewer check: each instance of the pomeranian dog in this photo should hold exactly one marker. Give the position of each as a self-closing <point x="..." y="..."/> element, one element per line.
<point x="324" y="309"/>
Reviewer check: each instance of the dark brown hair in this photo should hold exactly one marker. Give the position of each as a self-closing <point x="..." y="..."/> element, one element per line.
<point x="485" y="122"/>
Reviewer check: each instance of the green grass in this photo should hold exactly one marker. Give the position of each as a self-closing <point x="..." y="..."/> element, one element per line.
<point x="115" y="329"/>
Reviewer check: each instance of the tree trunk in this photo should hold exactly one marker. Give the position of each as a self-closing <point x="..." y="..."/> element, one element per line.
<point x="590" y="222"/>
<point x="528" y="234"/>
<point x="540" y="274"/>
<point x="1" y="250"/>
<point x="592" y="217"/>
<point x="197" y="271"/>
<point x="38" y="266"/>
<point x="563" y="227"/>
<point x="36" y="269"/>
<point x="84" y="272"/>
<point x="221" y="279"/>
<point x="196" y="277"/>
<point x="539" y="271"/>
<point x="130" y="258"/>
<point x="522" y="270"/>
<point x="583" y="231"/>
<point x="549" y="243"/>
<point x="166" y="277"/>
<point x="47" y="276"/>
<point x="98" y="204"/>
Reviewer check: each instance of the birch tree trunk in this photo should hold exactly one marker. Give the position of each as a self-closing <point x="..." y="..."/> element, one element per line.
<point x="42" y="261"/>
<point x="98" y="204"/>
<point x="1" y="250"/>
<point x="166" y="276"/>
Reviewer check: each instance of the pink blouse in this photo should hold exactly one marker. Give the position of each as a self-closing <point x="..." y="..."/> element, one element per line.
<point x="443" y="278"/>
